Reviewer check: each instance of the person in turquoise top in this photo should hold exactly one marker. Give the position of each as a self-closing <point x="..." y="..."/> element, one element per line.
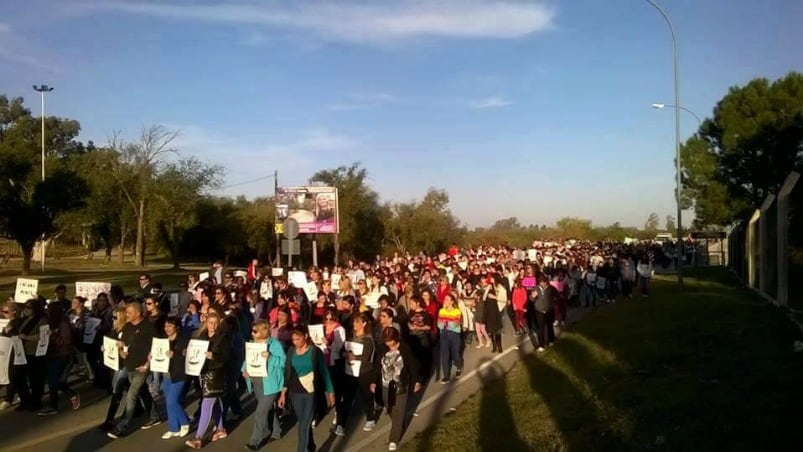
<point x="305" y="375"/>
<point x="265" y="389"/>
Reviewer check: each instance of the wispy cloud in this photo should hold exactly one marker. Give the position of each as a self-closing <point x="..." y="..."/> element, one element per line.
<point x="353" y="21"/>
<point x="16" y="49"/>
<point x="362" y="101"/>
<point x="489" y="102"/>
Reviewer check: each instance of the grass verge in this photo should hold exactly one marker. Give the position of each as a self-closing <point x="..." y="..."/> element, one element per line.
<point x="711" y="368"/>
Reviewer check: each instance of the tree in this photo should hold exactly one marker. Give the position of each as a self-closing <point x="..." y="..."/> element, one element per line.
<point x="670" y="224"/>
<point x="361" y="227"/>
<point x="427" y="226"/>
<point x="177" y="189"/>
<point x="30" y="207"/>
<point x="746" y="150"/>
<point x="652" y="223"/>
<point x="141" y="158"/>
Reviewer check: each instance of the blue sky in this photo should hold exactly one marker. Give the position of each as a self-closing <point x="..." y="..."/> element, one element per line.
<point x="531" y="109"/>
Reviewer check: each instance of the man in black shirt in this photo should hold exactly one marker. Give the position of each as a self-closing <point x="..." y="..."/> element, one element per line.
<point x="135" y="346"/>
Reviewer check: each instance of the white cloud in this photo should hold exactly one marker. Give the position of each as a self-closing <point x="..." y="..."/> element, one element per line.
<point x="353" y="21"/>
<point x="362" y="101"/>
<point x="489" y="102"/>
<point x="16" y="49"/>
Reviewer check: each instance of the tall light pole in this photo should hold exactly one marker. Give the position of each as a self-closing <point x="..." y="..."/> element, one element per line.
<point x="42" y="89"/>
<point x="658" y="106"/>
<point x="680" y="247"/>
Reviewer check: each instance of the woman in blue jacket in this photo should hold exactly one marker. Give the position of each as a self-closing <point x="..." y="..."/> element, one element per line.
<point x="265" y="389"/>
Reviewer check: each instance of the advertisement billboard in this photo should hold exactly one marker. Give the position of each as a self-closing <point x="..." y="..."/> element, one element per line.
<point x="315" y="208"/>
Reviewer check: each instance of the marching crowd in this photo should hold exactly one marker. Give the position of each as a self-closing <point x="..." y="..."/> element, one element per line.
<point x="357" y="339"/>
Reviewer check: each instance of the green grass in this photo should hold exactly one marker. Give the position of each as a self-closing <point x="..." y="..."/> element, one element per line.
<point x="69" y="270"/>
<point x="711" y="368"/>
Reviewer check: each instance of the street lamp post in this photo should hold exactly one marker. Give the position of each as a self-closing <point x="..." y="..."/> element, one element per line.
<point x="658" y="106"/>
<point x="42" y="89"/>
<point x="678" y="182"/>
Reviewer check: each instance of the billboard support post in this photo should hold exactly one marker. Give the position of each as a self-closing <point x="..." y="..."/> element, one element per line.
<point x="315" y="250"/>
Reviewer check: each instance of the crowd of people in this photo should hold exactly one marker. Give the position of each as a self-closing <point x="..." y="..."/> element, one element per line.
<point x="358" y="339"/>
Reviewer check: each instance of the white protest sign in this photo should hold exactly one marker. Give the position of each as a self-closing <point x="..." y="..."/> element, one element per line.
<point x="371" y="300"/>
<point x="4" y="323"/>
<point x="463" y="265"/>
<point x="317" y="337"/>
<point x="276" y="271"/>
<point x="311" y="289"/>
<point x="110" y="353"/>
<point x="353" y="367"/>
<point x="160" y="362"/>
<point x="297" y="279"/>
<point x="336" y="279"/>
<point x="44" y="340"/>
<point x="6" y="347"/>
<point x="26" y="289"/>
<point x="256" y="365"/>
<point x="266" y="290"/>
<point x="242" y="273"/>
<point x="196" y="357"/>
<point x="19" y="352"/>
<point x="90" y="291"/>
<point x="532" y="254"/>
<point x="91" y="329"/>
<point x="203" y="276"/>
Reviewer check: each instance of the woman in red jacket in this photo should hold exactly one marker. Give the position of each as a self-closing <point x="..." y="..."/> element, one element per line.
<point x="520" y="307"/>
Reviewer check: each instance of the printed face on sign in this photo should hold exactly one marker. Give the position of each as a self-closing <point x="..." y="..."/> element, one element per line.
<point x="195" y="356"/>
<point x="255" y="359"/>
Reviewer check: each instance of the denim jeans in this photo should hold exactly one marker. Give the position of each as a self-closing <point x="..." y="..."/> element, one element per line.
<point x="304" y="408"/>
<point x="154" y="387"/>
<point x="450" y="352"/>
<point x="55" y="368"/>
<point x="137" y="381"/>
<point x="176" y="416"/>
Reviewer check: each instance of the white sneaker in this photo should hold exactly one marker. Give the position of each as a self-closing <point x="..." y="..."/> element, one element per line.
<point x="540" y="349"/>
<point x="339" y="431"/>
<point x="393" y="446"/>
<point x="369" y="426"/>
<point x="169" y="435"/>
<point x="184" y="431"/>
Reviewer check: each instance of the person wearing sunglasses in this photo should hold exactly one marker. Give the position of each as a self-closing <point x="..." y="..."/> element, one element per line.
<point x="158" y="318"/>
<point x="265" y="389"/>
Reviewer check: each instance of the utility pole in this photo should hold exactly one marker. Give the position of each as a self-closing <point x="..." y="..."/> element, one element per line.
<point x="42" y="89"/>
<point x="275" y="226"/>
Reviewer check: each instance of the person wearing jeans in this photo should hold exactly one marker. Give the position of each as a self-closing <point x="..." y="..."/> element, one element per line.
<point x="305" y="374"/>
<point x="450" y="325"/>
<point x="265" y="389"/>
<point x="178" y="424"/>
<point x="134" y="348"/>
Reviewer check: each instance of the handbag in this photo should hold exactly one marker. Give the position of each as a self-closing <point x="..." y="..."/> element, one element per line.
<point x="212" y="384"/>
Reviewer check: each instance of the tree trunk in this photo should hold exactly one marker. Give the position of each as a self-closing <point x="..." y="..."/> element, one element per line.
<point x="27" y="253"/>
<point x="140" y="246"/>
<point x="174" y="253"/>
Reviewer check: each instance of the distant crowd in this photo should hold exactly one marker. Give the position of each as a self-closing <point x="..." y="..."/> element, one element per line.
<point x="358" y="339"/>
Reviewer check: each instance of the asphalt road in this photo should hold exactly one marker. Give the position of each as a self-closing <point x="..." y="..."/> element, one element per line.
<point x="77" y="430"/>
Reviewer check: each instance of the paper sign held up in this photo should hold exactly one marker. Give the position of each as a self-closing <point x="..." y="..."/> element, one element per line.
<point x="26" y="289"/>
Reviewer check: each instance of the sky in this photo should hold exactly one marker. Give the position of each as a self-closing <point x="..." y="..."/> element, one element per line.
<point x="532" y="109"/>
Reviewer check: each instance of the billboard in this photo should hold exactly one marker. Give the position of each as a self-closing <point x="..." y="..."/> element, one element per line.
<point x="315" y="208"/>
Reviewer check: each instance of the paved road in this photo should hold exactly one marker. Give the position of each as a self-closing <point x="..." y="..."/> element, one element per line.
<point x="77" y="430"/>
